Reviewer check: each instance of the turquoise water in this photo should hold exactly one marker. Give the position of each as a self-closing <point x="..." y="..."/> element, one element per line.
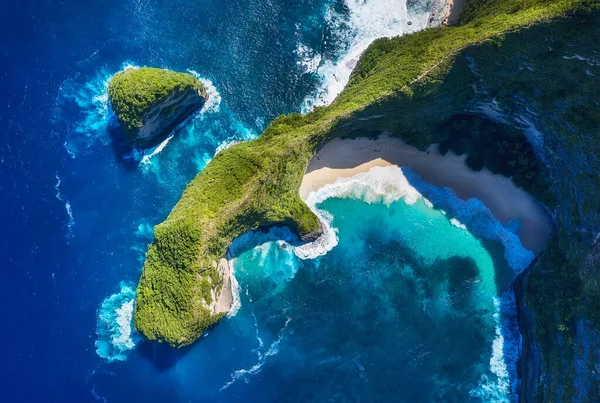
<point x="406" y="307"/>
<point x="398" y="304"/>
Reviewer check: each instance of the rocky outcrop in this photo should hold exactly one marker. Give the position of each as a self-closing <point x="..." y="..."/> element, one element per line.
<point x="150" y="103"/>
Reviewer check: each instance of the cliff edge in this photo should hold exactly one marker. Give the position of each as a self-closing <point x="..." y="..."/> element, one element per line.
<point x="150" y="103"/>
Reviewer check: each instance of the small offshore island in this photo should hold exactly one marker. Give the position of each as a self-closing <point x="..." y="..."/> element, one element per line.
<point x="484" y="89"/>
<point x="150" y="103"/>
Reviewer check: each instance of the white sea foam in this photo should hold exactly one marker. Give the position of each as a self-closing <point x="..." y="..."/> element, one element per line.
<point x="506" y="346"/>
<point x="92" y="101"/>
<point x="591" y="62"/>
<point x="257" y="238"/>
<point x="391" y="183"/>
<point x="309" y="60"/>
<point x="214" y="97"/>
<point x="225" y="145"/>
<point x="235" y="292"/>
<point x="129" y="66"/>
<point x="476" y="217"/>
<point x="116" y="335"/>
<point x="96" y="115"/>
<point x="356" y="28"/>
<point x="68" y="208"/>
<point x="457" y="223"/>
<point x="71" y="219"/>
<point x="211" y="106"/>
<point x="273" y="349"/>
<point x="379" y="185"/>
<point x="155" y="151"/>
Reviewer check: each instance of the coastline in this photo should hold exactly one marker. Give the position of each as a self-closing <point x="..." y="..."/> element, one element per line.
<point x="453" y="8"/>
<point x="445" y="13"/>
<point x="224" y="301"/>
<point x="345" y="158"/>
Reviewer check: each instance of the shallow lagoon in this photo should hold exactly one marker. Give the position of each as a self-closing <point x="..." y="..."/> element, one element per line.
<point x="406" y="307"/>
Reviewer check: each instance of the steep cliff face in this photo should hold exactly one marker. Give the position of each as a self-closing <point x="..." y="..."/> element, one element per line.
<point x="150" y="103"/>
<point x="543" y="81"/>
<point x="519" y="96"/>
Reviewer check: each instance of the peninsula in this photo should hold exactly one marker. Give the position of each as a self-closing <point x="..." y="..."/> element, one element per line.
<point x="508" y="87"/>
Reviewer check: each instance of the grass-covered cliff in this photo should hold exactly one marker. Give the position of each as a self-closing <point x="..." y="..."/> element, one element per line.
<point x="520" y="69"/>
<point x="149" y="102"/>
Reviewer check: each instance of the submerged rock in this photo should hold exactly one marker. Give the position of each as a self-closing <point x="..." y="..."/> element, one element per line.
<point x="150" y="103"/>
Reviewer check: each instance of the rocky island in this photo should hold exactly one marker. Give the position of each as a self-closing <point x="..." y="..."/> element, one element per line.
<point x="524" y="73"/>
<point x="150" y="103"/>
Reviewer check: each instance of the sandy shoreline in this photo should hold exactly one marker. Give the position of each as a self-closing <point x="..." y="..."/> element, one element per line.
<point x="453" y="8"/>
<point x="346" y="158"/>
<point x="445" y="12"/>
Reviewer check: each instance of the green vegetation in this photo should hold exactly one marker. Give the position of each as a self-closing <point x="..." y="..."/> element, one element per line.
<point x="410" y="86"/>
<point x="134" y="92"/>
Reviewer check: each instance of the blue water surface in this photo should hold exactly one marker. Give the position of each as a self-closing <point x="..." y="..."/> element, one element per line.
<point x="78" y="207"/>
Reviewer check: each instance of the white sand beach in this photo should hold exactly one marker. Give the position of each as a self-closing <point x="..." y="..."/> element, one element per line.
<point x="346" y="158"/>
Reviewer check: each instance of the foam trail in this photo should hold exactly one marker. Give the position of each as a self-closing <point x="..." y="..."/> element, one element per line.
<point x="506" y="349"/>
<point x="71" y="219"/>
<point x="57" y="188"/>
<point x="256" y="368"/>
<point x="68" y="209"/>
<point x="355" y="30"/>
<point x="157" y="150"/>
<point x="309" y="62"/>
<point x="116" y="335"/>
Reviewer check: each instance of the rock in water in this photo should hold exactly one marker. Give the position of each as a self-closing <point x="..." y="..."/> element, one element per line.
<point x="150" y="103"/>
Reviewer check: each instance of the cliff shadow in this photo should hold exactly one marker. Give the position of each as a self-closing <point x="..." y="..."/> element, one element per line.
<point x="124" y="153"/>
<point x="161" y="355"/>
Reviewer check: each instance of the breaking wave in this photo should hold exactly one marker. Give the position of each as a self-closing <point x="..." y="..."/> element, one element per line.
<point x="85" y="109"/>
<point x="116" y="335"/>
<point x="389" y="184"/>
<point x="352" y="30"/>
<point x="506" y="349"/>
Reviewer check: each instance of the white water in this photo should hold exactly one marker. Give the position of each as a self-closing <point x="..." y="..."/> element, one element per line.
<point x="235" y="292"/>
<point x="116" y="335"/>
<point x="355" y="30"/>
<point x="389" y="184"/>
<point x="211" y="106"/>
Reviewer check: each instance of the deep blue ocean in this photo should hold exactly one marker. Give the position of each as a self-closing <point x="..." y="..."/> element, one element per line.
<point x="409" y="306"/>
